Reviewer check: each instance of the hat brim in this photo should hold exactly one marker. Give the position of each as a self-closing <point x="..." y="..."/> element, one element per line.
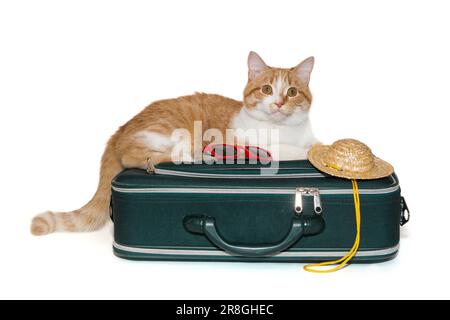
<point x="316" y="155"/>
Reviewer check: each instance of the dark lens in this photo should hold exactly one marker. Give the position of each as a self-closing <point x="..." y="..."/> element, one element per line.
<point x="224" y="150"/>
<point x="258" y="152"/>
<point x="230" y="151"/>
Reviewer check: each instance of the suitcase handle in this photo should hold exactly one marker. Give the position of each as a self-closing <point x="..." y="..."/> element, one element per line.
<point x="301" y="226"/>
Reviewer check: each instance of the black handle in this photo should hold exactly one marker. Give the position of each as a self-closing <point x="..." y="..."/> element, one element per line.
<point x="304" y="225"/>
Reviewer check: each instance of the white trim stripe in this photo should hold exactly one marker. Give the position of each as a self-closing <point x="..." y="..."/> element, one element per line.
<point x="286" y="254"/>
<point x="237" y="176"/>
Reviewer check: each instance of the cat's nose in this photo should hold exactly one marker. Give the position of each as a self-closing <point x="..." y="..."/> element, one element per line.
<point x="279" y="104"/>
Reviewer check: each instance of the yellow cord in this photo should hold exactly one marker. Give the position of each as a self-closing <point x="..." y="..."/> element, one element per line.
<point x="345" y="259"/>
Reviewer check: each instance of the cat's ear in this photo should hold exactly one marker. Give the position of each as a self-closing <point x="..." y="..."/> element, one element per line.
<point x="256" y="65"/>
<point x="304" y="69"/>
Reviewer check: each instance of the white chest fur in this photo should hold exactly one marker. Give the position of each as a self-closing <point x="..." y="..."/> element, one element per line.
<point x="287" y="139"/>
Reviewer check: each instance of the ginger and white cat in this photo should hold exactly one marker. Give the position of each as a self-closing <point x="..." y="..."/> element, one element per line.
<point x="274" y="98"/>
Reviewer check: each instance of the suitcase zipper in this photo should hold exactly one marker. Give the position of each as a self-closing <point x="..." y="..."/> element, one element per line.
<point x="298" y="204"/>
<point x="300" y="193"/>
<point x="257" y="191"/>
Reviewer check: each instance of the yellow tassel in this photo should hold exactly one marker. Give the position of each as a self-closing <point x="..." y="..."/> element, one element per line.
<point x="345" y="259"/>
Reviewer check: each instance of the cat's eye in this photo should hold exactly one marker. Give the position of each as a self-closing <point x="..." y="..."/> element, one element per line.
<point x="266" y="89"/>
<point x="292" y="92"/>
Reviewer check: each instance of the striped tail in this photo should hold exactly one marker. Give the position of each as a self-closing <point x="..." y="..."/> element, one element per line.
<point x="94" y="214"/>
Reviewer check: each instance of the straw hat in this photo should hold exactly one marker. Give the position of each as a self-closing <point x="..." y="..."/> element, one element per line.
<point x="349" y="158"/>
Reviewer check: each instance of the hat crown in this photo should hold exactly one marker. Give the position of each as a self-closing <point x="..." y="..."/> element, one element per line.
<point x="350" y="155"/>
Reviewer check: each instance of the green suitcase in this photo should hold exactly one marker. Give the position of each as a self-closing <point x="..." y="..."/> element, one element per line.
<point x="248" y="212"/>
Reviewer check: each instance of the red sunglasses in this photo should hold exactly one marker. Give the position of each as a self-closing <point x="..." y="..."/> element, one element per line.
<point x="229" y="151"/>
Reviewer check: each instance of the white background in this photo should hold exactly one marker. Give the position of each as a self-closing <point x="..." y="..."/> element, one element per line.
<point x="71" y="72"/>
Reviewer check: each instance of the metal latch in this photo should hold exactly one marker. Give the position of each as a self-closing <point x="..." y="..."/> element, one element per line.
<point x="150" y="166"/>
<point x="404" y="218"/>
<point x="314" y="192"/>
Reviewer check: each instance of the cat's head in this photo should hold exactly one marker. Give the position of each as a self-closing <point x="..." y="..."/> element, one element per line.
<point x="276" y="94"/>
